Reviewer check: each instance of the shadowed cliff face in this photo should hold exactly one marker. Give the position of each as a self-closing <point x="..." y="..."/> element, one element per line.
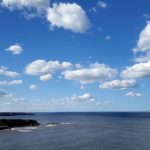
<point x="10" y="123"/>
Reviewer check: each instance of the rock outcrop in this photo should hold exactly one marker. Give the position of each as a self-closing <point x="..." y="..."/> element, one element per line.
<point x="14" y="113"/>
<point x="12" y="123"/>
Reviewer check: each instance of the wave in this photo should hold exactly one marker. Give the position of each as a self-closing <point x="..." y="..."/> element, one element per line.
<point x="58" y="124"/>
<point x="66" y="123"/>
<point x="24" y="129"/>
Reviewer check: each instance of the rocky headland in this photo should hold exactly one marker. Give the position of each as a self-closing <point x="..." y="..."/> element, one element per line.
<point x="14" y="123"/>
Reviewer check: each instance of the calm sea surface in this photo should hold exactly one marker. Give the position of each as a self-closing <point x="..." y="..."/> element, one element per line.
<point x="81" y="131"/>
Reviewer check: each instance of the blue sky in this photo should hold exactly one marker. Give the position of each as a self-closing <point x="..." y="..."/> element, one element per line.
<point x="74" y="55"/>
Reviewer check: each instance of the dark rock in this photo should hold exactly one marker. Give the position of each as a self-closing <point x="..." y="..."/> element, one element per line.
<point x="14" y="113"/>
<point x="12" y="123"/>
<point x="3" y="127"/>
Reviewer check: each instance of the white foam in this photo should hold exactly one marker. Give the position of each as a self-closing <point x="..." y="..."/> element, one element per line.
<point x="66" y="123"/>
<point x="24" y="129"/>
<point x="51" y="125"/>
<point x="21" y="130"/>
<point x="59" y="124"/>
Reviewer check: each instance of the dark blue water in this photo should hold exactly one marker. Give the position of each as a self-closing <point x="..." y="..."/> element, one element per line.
<point x="82" y="131"/>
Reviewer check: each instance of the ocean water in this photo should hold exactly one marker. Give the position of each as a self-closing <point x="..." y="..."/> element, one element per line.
<point x="81" y="131"/>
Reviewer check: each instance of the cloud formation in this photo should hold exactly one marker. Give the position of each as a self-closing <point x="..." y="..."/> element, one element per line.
<point x="143" y="43"/>
<point x="119" y="84"/>
<point x="13" y="82"/>
<point x="25" y="104"/>
<point x="102" y="4"/>
<point x="39" y="5"/>
<point x="5" y="72"/>
<point x="139" y="70"/>
<point x="46" y="77"/>
<point x="87" y="97"/>
<point x="133" y="94"/>
<point x="99" y="5"/>
<point x="33" y="87"/>
<point x="94" y="73"/>
<point x="3" y="93"/>
<point x="70" y="16"/>
<point x="15" y="49"/>
<point x="45" y="69"/>
<point x="143" y="57"/>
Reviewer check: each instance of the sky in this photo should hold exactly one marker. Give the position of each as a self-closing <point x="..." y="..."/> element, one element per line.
<point x="74" y="55"/>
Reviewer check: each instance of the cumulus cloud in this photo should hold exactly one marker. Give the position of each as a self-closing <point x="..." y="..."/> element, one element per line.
<point x="143" y="43"/>
<point x="87" y="97"/>
<point x="33" y="87"/>
<point x="5" y="72"/>
<point x="69" y="16"/>
<point x="13" y="82"/>
<point x="119" y="84"/>
<point x="139" y="70"/>
<point x="45" y="69"/>
<point x="46" y="77"/>
<point x="133" y="94"/>
<point x="15" y="49"/>
<point x="94" y="73"/>
<point x="39" y="5"/>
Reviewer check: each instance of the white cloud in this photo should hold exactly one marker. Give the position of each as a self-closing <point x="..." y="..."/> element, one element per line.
<point x="133" y="94"/>
<point x="15" y="49"/>
<point x="143" y="43"/>
<point x="39" y="5"/>
<point x="13" y="82"/>
<point x="102" y="4"/>
<point x="54" y="104"/>
<point x="87" y="97"/>
<point x="69" y="16"/>
<point x="43" y="67"/>
<point x="119" y="84"/>
<point x="94" y="73"/>
<point x="5" y="72"/>
<point x="3" y="93"/>
<point x="9" y="95"/>
<point x="33" y="87"/>
<point x="46" y="77"/>
<point x="143" y="58"/>
<point x="139" y="70"/>
<point x="99" y="5"/>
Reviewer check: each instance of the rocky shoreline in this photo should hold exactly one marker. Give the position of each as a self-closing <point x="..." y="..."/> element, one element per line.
<point x="14" y="113"/>
<point x="14" y="123"/>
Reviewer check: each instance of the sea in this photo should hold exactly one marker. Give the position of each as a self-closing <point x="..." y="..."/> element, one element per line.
<point x="81" y="131"/>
